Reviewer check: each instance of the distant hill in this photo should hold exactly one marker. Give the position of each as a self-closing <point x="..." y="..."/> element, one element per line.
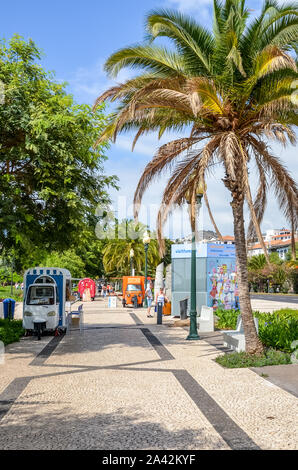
<point x="203" y="235"/>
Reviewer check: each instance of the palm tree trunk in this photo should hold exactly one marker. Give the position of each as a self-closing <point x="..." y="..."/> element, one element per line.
<point x="159" y="277"/>
<point x="253" y="344"/>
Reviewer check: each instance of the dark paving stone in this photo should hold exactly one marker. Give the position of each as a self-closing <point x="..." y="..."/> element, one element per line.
<point x="11" y="393"/>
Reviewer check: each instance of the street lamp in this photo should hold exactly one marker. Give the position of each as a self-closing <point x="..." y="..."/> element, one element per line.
<point x="146" y="241"/>
<point x="131" y="254"/>
<point x="193" y="329"/>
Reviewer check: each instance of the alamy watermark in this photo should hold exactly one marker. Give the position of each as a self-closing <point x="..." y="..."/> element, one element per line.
<point x="117" y="221"/>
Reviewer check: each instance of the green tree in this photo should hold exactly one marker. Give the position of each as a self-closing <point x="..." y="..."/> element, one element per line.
<point x="290" y="252"/>
<point x="51" y="178"/>
<point x="116" y="254"/>
<point x="256" y="262"/>
<point x="231" y="91"/>
<point x="66" y="260"/>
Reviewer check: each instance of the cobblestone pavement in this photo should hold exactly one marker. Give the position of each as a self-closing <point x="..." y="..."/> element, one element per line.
<point x="125" y="382"/>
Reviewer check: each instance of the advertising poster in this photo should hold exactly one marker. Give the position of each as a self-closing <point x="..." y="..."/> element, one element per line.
<point x="222" y="288"/>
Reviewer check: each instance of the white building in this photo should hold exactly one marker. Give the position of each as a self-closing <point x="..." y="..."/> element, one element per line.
<point x="276" y="240"/>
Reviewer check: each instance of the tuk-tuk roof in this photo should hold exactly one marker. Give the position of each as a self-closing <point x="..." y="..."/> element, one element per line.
<point x="39" y="271"/>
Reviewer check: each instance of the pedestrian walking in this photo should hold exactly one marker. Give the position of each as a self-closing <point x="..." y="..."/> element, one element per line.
<point x="103" y="290"/>
<point x="149" y="297"/>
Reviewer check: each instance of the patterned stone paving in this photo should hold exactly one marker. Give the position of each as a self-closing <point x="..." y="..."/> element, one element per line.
<point x="126" y="383"/>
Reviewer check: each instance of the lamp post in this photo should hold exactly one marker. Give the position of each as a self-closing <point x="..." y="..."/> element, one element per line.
<point x="146" y="241"/>
<point x="131" y="254"/>
<point x="193" y="329"/>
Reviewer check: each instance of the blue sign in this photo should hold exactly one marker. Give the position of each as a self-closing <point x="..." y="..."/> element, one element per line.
<point x="220" y="251"/>
<point x="184" y="250"/>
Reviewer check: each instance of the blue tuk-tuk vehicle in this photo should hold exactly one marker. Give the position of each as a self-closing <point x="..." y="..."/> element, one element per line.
<point x="46" y="292"/>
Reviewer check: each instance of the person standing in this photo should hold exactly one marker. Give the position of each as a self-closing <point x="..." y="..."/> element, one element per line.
<point x="160" y="297"/>
<point x="149" y="297"/>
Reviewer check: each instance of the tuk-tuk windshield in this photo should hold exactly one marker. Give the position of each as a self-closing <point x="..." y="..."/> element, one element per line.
<point x="133" y="287"/>
<point x="38" y="295"/>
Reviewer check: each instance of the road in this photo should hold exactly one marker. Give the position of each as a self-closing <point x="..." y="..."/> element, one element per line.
<point x="293" y="299"/>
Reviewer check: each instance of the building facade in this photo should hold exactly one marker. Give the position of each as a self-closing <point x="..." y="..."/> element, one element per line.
<point x="276" y="241"/>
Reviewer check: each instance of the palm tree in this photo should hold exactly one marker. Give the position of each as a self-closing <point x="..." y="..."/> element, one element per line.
<point x="256" y="262"/>
<point x="116" y="254"/>
<point x="229" y="91"/>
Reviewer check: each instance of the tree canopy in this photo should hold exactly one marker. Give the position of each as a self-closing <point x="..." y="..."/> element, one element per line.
<point x="52" y="178"/>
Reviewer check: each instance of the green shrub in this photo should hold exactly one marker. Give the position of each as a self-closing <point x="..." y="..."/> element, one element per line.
<point x="227" y="319"/>
<point x="239" y="360"/>
<point x="10" y="331"/>
<point x="278" y="329"/>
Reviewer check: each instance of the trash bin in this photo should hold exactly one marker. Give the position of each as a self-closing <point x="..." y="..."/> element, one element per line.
<point x="8" y="308"/>
<point x="183" y="309"/>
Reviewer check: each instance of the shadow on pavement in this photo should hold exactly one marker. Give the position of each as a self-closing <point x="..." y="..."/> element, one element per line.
<point x="113" y="431"/>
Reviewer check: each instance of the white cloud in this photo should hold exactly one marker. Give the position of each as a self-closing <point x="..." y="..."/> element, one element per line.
<point x="87" y="83"/>
<point x="198" y="8"/>
<point x="187" y="5"/>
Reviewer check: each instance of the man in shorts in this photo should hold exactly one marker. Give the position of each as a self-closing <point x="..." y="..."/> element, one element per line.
<point x="149" y="297"/>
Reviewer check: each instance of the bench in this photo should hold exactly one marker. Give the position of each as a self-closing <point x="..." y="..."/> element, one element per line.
<point x="78" y="316"/>
<point x="235" y="339"/>
<point x="206" y="319"/>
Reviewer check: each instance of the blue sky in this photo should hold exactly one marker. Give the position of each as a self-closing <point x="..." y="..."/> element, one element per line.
<point x="77" y="37"/>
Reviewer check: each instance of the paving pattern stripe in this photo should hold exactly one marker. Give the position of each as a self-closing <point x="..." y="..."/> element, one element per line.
<point x="136" y="318"/>
<point x="230" y="432"/>
<point x="161" y="350"/>
<point x="46" y="351"/>
<point x="11" y="393"/>
<point x="125" y="327"/>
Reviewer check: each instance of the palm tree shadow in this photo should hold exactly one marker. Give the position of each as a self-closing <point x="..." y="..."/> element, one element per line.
<point x="99" y="431"/>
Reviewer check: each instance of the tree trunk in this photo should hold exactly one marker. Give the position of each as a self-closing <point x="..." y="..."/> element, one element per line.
<point x="159" y="277"/>
<point x="253" y="344"/>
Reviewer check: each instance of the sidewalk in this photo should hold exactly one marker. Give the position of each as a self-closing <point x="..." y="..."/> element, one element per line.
<point x="264" y="305"/>
<point x="127" y="383"/>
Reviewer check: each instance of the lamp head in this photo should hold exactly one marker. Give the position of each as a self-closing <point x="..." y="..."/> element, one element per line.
<point x="201" y="188"/>
<point x="146" y="238"/>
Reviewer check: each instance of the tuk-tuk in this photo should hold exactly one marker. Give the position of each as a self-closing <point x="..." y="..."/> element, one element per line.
<point x="133" y="291"/>
<point x="46" y="290"/>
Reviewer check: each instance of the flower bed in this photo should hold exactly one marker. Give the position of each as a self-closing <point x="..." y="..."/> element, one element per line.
<point x="271" y="357"/>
